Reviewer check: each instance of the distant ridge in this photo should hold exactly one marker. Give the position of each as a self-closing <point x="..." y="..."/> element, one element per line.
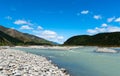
<point x="101" y="39"/>
<point x="19" y="38"/>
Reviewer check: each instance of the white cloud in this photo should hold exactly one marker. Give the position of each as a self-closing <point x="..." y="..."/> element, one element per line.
<point x="40" y="28"/>
<point x="110" y="19"/>
<point x="104" y="25"/>
<point x="39" y="31"/>
<point x="96" y="30"/>
<point x="113" y="29"/>
<point x="60" y="37"/>
<point x="97" y="17"/>
<point x="50" y="35"/>
<point x="22" y="22"/>
<point x="92" y="31"/>
<point x="26" y="27"/>
<point x="103" y="29"/>
<point x="8" y="17"/>
<point x="117" y="20"/>
<point x="84" y="12"/>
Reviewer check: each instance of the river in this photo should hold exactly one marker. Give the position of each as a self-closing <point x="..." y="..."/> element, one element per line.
<point x="82" y="61"/>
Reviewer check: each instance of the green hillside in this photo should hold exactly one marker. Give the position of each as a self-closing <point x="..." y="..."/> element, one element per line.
<point x="8" y="40"/>
<point x="101" y="39"/>
<point x="25" y="38"/>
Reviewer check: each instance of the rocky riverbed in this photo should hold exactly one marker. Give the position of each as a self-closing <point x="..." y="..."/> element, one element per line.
<point x="105" y="50"/>
<point x="19" y="63"/>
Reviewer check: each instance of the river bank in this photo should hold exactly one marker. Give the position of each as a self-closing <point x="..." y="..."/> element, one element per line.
<point x="19" y="63"/>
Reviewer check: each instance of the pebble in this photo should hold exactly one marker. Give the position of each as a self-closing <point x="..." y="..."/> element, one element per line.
<point x="19" y="63"/>
<point x="1" y="68"/>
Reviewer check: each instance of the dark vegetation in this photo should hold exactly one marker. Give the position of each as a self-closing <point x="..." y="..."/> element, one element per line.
<point x="8" y="40"/>
<point x="13" y="37"/>
<point x="101" y="39"/>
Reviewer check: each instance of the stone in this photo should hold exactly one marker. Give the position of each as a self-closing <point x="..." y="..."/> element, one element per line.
<point x="19" y="63"/>
<point x="17" y="74"/>
<point x="1" y="68"/>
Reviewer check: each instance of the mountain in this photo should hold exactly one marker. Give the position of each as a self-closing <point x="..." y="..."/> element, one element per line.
<point x="26" y="39"/>
<point x="101" y="39"/>
<point x="8" y="40"/>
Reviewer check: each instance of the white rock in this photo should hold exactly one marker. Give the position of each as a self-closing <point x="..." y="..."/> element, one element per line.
<point x="17" y="74"/>
<point x="1" y="68"/>
<point x="106" y="50"/>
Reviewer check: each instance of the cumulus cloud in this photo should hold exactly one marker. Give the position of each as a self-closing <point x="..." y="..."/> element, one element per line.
<point x="96" y="30"/>
<point x="104" y="25"/>
<point x="103" y="29"/>
<point x="117" y="19"/>
<point x="92" y="31"/>
<point x="50" y="35"/>
<point x="40" y="28"/>
<point x="60" y="37"/>
<point x="110" y="19"/>
<point x="26" y="27"/>
<point x="8" y="17"/>
<point x="22" y="22"/>
<point x="113" y="29"/>
<point x="84" y="12"/>
<point x="97" y="17"/>
<point x="39" y="31"/>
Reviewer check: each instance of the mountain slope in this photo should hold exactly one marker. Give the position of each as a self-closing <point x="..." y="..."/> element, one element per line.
<point x="102" y="39"/>
<point x="77" y="40"/>
<point x="8" y="40"/>
<point x="24" y="37"/>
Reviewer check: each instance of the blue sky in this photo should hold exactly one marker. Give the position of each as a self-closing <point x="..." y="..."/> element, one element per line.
<point x="57" y="20"/>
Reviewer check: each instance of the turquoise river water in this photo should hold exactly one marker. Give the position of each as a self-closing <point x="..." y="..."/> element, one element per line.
<point x="82" y="61"/>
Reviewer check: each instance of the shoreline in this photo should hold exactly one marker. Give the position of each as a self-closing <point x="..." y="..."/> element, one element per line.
<point x="50" y="47"/>
<point x="19" y="63"/>
<point x="54" y="47"/>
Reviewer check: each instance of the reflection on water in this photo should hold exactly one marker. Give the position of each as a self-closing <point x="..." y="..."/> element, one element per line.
<point x="82" y="61"/>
